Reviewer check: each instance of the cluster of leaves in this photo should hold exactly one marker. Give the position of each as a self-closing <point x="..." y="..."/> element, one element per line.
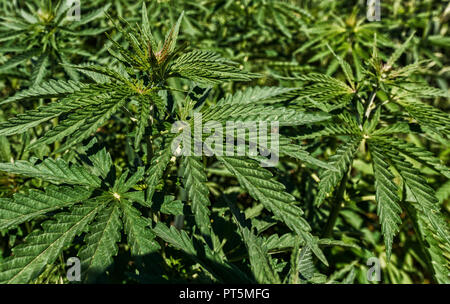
<point x="87" y="145"/>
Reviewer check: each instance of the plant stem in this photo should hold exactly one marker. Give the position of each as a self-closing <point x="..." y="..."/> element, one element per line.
<point x="335" y="209"/>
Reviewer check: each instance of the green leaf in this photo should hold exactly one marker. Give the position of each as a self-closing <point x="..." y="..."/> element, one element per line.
<point x="52" y="88"/>
<point x="288" y="148"/>
<point x="31" y="204"/>
<point x="423" y="195"/>
<point x="145" y="104"/>
<point x="208" y="67"/>
<point x="428" y="115"/>
<point x="56" y="171"/>
<point x="341" y="161"/>
<point x="32" y="118"/>
<point x="399" y="51"/>
<point x="39" y="70"/>
<point x="260" y="261"/>
<point x="387" y="198"/>
<point x="306" y="268"/>
<point x="257" y="95"/>
<point x="417" y="153"/>
<point x="257" y="113"/>
<point x="219" y="268"/>
<point x="138" y="230"/>
<point x="158" y="165"/>
<point x="194" y="179"/>
<point x="172" y="206"/>
<point x="262" y="186"/>
<point x="95" y="117"/>
<point x="15" y="61"/>
<point x="437" y="255"/>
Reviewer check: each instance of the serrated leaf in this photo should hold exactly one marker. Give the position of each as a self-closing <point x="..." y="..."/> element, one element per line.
<point x="262" y="186"/>
<point x="101" y="243"/>
<point x="387" y="198"/>
<point x="56" y="171"/>
<point x="194" y="180"/>
<point x="341" y="161"/>
<point x="27" y="206"/>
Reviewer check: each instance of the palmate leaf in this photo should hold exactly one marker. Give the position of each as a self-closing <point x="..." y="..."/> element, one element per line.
<point x="423" y="91"/>
<point x="288" y="240"/>
<point x="110" y="73"/>
<point x="177" y="238"/>
<point x="387" y="198"/>
<point x="101" y="160"/>
<point x="101" y="242"/>
<point x="27" y="206"/>
<point x="345" y="68"/>
<point x="56" y="171"/>
<point x="341" y="161"/>
<point x="126" y="180"/>
<point x="443" y="192"/>
<point x="22" y="122"/>
<point x="322" y="86"/>
<point x="396" y="128"/>
<point x="208" y="67"/>
<point x="262" y="186"/>
<point x="63" y="129"/>
<point x="146" y="30"/>
<point x="172" y="36"/>
<point x="198" y="193"/>
<point x="42" y="247"/>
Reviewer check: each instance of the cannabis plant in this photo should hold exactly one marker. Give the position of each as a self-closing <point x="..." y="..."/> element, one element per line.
<point x="377" y="111"/>
<point x="91" y="198"/>
<point x="223" y="141"/>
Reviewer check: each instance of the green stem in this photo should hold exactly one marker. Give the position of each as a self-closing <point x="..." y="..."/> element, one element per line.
<point x="335" y="209"/>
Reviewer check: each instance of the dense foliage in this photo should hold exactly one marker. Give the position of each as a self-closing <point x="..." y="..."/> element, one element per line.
<point x="92" y="167"/>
